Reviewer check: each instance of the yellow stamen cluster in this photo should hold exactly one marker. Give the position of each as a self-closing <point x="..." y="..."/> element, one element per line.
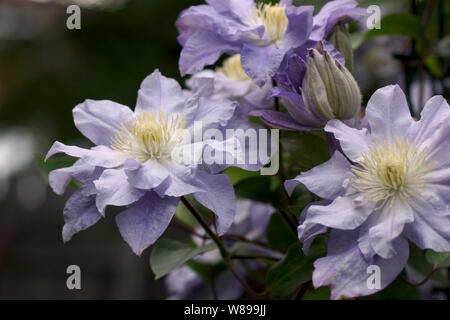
<point x="273" y="17"/>
<point x="389" y="170"/>
<point x="232" y="69"/>
<point x="149" y="136"/>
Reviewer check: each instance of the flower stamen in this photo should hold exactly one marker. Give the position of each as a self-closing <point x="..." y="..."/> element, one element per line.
<point x="391" y="170"/>
<point x="274" y="19"/>
<point x="232" y="69"/>
<point x="149" y="136"/>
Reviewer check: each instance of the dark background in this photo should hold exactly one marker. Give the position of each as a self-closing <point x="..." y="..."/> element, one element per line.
<point x="45" y="70"/>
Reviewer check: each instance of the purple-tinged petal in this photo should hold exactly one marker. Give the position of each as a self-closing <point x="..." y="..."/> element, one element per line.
<point x="279" y="120"/>
<point x="345" y="270"/>
<point x="387" y="225"/>
<point x="209" y="112"/>
<point x="239" y="8"/>
<point x="328" y="180"/>
<point x="114" y="189"/>
<point x="60" y="178"/>
<point x="144" y="222"/>
<point x="99" y="156"/>
<point x="80" y="212"/>
<point x="299" y="27"/>
<point x="182" y="180"/>
<point x="145" y="176"/>
<point x="99" y="121"/>
<point x="432" y="131"/>
<point x="203" y="49"/>
<point x="345" y="213"/>
<point x="261" y="63"/>
<point x="431" y="227"/>
<point x="332" y="13"/>
<point x="354" y="142"/>
<point x="158" y="93"/>
<point x="388" y="114"/>
<point x="219" y="198"/>
<point x="307" y="232"/>
<point x="297" y="109"/>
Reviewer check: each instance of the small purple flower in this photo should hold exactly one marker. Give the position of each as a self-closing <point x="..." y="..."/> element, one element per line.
<point x="251" y="221"/>
<point x="132" y="163"/>
<point x="262" y="34"/>
<point x="390" y="185"/>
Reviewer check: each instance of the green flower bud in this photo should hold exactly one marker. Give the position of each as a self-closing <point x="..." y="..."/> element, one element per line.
<point x="329" y="90"/>
<point x="340" y="39"/>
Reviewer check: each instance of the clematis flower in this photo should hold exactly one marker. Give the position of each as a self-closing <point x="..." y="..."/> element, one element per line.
<point x="389" y="186"/>
<point x="314" y="89"/>
<point x="231" y="82"/>
<point x="262" y="34"/>
<point x="251" y="221"/>
<point x="132" y="163"/>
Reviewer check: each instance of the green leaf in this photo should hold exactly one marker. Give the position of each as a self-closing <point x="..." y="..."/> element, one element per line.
<point x="438" y="259"/>
<point x="433" y="65"/>
<point x="397" y="290"/>
<point x="237" y="174"/>
<point x="322" y="293"/>
<point x="306" y="150"/>
<point x="399" y="24"/>
<point x="279" y="234"/>
<point x="256" y="188"/>
<point x="55" y="163"/>
<point x="168" y="255"/>
<point x="286" y="276"/>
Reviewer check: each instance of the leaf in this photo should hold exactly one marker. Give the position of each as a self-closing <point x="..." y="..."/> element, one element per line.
<point x="322" y="293"/>
<point x="397" y="290"/>
<point x="237" y="174"/>
<point x="399" y="24"/>
<point x="307" y="150"/>
<point x="204" y="270"/>
<point x="287" y="275"/>
<point x="438" y="259"/>
<point x="279" y="234"/>
<point x="55" y="163"/>
<point x="168" y="255"/>
<point x="433" y="66"/>
<point x="258" y="189"/>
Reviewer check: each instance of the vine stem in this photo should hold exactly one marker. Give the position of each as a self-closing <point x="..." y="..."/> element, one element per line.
<point x="223" y="250"/>
<point x="428" y="277"/>
<point x="287" y="216"/>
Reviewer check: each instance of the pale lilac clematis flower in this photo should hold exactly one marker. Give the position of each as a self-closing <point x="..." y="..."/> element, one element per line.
<point x="261" y="34"/>
<point x="390" y="185"/>
<point x="132" y="163"/>
<point x="231" y="82"/>
<point x="251" y="221"/>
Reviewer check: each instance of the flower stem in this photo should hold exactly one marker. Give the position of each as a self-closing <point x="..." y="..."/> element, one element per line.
<point x="223" y="250"/>
<point x="428" y="277"/>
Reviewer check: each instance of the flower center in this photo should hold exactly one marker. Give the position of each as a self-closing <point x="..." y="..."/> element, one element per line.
<point x="273" y="17"/>
<point x="149" y="136"/>
<point x="232" y="69"/>
<point x="390" y="170"/>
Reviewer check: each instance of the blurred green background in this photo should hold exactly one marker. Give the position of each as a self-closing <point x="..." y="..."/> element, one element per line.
<point x="46" y="69"/>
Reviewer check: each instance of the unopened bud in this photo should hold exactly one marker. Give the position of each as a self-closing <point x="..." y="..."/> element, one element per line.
<point x="340" y="39"/>
<point x="329" y="89"/>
